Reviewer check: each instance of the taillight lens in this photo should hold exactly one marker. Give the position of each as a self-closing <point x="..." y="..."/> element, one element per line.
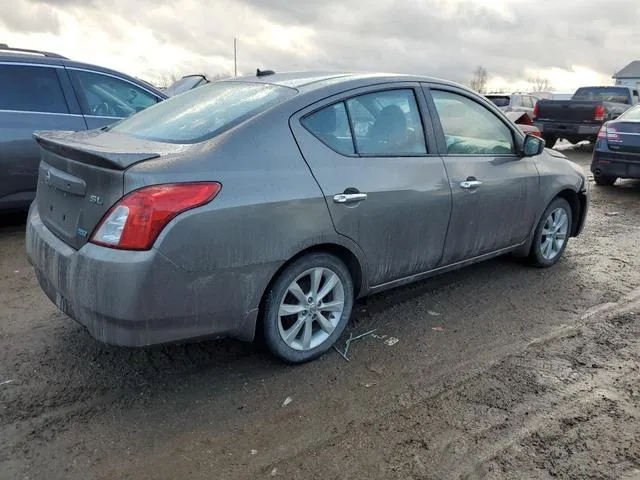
<point x="612" y="133"/>
<point x="137" y="219"/>
<point x="602" y="133"/>
<point x="600" y="113"/>
<point x="536" y="110"/>
<point x="608" y="133"/>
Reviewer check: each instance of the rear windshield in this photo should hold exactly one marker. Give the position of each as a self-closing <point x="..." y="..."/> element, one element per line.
<point x="603" y="94"/>
<point x="204" y="112"/>
<point x="631" y="114"/>
<point x="501" y="101"/>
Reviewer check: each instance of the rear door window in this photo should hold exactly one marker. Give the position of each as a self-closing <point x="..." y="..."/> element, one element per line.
<point x="31" y="89"/>
<point x="387" y="123"/>
<point x="107" y="96"/>
<point x="330" y="125"/>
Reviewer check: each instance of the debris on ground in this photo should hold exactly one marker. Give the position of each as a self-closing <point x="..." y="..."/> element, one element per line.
<point x="274" y="472"/>
<point x="254" y="452"/>
<point x="379" y="369"/>
<point x="287" y="401"/>
<point x="439" y="328"/>
<point x="6" y="382"/>
<point x="432" y="313"/>
<point x="391" y="341"/>
<point x="612" y="214"/>
<point x="368" y="385"/>
<point x="347" y="344"/>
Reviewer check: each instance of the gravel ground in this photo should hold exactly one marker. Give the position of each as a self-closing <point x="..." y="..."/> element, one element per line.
<point x="501" y="371"/>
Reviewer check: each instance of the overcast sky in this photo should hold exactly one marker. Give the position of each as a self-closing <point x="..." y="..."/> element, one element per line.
<point x="572" y="42"/>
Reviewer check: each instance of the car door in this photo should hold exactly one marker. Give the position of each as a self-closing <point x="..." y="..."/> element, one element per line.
<point x="105" y="98"/>
<point x="385" y="187"/>
<point x="32" y="98"/>
<point x="494" y="189"/>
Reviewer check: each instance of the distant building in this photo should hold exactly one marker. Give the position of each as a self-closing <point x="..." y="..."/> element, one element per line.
<point x="629" y="76"/>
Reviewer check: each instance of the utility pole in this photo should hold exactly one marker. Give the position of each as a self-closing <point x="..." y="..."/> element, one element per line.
<point x="235" y="57"/>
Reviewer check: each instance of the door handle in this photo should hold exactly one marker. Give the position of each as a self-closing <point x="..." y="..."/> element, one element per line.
<point x="349" y="197"/>
<point x="470" y="184"/>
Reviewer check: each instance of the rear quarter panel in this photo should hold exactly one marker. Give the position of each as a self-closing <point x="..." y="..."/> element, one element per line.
<point x="270" y="207"/>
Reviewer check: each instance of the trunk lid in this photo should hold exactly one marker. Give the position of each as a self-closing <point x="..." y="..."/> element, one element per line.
<point x="569" y="111"/>
<point x="81" y="175"/>
<point x="626" y="137"/>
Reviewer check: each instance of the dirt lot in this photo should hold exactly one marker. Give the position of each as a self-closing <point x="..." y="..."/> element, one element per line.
<point x="501" y="371"/>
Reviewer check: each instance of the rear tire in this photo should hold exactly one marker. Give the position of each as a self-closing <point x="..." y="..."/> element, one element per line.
<point x="552" y="234"/>
<point x="307" y="307"/>
<point x="549" y="140"/>
<point x="604" y="180"/>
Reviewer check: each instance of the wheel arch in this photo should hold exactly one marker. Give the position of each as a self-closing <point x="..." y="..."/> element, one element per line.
<point x="353" y="262"/>
<point x="577" y="203"/>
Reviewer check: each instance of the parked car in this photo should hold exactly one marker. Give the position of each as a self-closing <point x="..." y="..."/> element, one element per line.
<point x="581" y="117"/>
<point x="276" y="200"/>
<point x="543" y="95"/>
<point x="514" y="102"/>
<point x="46" y="91"/>
<point x="524" y="123"/>
<point x="186" y="83"/>
<point x="617" y="150"/>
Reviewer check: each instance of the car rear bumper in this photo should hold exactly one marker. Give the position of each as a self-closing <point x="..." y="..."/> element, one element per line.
<point x="573" y="130"/>
<point x="615" y="164"/>
<point x="137" y="298"/>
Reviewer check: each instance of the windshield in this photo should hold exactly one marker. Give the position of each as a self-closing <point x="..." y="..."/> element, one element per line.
<point x="499" y="101"/>
<point x="185" y="84"/>
<point x="603" y="94"/>
<point x="631" y="114"/>
<point x="204" y="112"/>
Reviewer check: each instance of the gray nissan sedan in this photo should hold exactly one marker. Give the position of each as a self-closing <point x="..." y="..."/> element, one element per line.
<point x="276" y="200"/>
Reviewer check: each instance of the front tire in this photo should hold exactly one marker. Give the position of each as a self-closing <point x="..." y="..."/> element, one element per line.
<point x="308" y="307"/>
<point x="552" y="234"/>
<point x="604" y="180"/>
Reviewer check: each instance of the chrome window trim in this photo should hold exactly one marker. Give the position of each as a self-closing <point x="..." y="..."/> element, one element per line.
<point x="96" y="72"/>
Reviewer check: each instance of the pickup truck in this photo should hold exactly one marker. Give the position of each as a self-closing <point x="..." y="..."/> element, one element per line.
<point x="581" y="117"/>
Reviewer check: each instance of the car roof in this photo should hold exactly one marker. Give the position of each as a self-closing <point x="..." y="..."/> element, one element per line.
<point x="39" y="59"/>
<point x="314" y="80"/>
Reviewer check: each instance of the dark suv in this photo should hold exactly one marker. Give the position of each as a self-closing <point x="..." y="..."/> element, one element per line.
<point x="46" y="91"/>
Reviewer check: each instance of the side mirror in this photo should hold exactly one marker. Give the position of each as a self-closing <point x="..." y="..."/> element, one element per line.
<point x="532" y="146"/>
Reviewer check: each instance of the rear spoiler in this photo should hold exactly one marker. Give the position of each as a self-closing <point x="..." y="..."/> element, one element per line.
<point x="61" y="144"/>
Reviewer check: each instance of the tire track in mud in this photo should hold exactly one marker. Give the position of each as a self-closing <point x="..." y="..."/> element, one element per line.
<point x="567" y="406"/>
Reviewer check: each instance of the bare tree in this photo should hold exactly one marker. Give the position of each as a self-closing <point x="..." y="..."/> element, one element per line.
<point x="479" y="80"/>
<point x="540" y="84"/>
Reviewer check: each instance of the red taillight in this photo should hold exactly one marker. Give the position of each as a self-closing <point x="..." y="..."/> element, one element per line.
<point x="602" y="133"/>
<point x="612" y="134"/>
<point x="537" y="133"/>
<point x="608" y="133"/>
<point x="600" y="113"/>
<point x="137" y="219"/>
<point x="536" y="111"/>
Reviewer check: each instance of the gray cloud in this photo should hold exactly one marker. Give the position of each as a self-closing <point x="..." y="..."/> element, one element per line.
<point x="433" y="37"/>
<point x="30" y="18"/>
